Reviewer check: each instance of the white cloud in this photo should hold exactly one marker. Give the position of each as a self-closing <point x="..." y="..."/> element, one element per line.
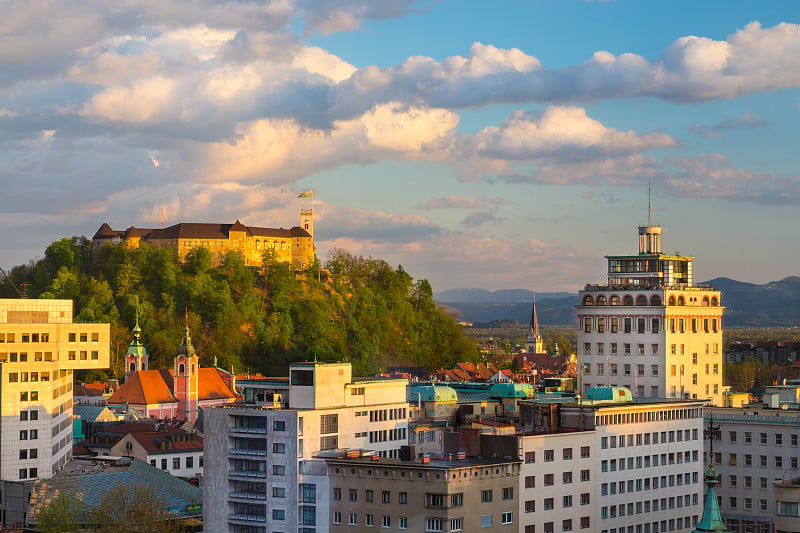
<point x="461" y="202"/>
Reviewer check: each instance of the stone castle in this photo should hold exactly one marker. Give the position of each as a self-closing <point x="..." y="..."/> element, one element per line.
<point x="294" y="245"/>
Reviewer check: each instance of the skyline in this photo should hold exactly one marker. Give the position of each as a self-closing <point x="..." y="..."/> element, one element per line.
<point x="477" y="146"/>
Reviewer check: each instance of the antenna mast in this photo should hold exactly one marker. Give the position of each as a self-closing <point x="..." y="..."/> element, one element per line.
<point x="648" y="202"/>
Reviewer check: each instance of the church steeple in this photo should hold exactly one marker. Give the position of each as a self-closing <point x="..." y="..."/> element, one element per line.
<point x="186" y="377"/>
<point x="712" y="520"/>
<point x="534" y="343"/>
<point x="137" y="357"/>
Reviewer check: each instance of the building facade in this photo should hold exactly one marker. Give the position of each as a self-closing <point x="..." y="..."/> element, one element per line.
<point x="294" y="245"/>
<point x="458" y="494"/>
<point x="262" y="467"/>
<point x="40" y="347"/>
<point x="756" y="447"/>
<point x="650" y="328"/>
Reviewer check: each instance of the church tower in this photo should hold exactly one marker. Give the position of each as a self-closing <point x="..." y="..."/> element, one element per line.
<point x="533" y="343"/>
<point x="137" y="357"/>
<point x="712" y="520"/>
<point x="186" y="386"/>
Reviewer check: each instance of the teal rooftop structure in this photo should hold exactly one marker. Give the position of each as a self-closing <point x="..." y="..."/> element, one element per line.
<point x="712" y="520"/>
<point x="432" y="393"/>
<point x="511" y="390"/>
<point x="608" y="395"/>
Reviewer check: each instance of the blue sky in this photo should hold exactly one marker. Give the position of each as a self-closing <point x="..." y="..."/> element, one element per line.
<point x="478" y="144"/>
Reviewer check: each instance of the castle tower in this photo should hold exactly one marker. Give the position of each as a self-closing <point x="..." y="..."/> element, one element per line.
<point x="137" y="357"/>
<point x="186" y="386"/>
<point x="533" y="343"/>
<point x="307" y="220"/>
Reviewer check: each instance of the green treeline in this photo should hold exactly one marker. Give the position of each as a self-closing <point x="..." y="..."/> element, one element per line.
<point x="259" y="320"/>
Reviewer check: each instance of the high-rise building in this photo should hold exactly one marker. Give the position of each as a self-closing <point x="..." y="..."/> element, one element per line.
<point x="262" y="467"/>
<point x="40" y="347"/>
<point x="650" y="328"/>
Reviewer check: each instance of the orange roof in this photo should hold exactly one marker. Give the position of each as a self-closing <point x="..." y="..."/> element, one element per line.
<point x="212" y="385"/>
<point x="142" y="388"/>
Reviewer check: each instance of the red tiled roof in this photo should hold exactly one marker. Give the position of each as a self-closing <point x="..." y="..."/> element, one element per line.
<point x="151" y="442"/>
<point x="212" y="385"/>
<point x="142" y="388"/>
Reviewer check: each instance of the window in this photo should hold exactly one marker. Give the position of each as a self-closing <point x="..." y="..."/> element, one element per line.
<point x="530" y="457"/>
<point x="457" y="500"/>
<point x="587" y="325"/>
<point x="402" y="498"/>
<point x="507" y="518"/>
<point x="640" y="322"/>
<point x="654" y="370"/>
<point x="486" y="496"/>
<point x="585" y="475"/>
<point x="278" y="447"/>
<point x="549" y="456"/>
<point x="585" y="498"/>
<point x="548" y="504"/>
<point x="278" y="492"/>
<point x="566" y="525"/>
<point x="566" y="453"/>
<point x="508" y="493"/>
<point x="585" y="452"/>
<point x="176" y="463"/>
<point x="456" y="524"/>
<point x="530" y="506"/>
<point x="386" y="496"/>
<point x="353" y="519"/>
<point x="585" y="522"/>
<point x="549" y="480"/>
<point x="614" y="325"/>
<point x="190" y="462"/>
<point x="566" y="477"/>
<point x="369" y="520"/>
<point x="567" y="501"/>
<point x="352" y="495"/>
<point x="486" y="520"/>
<point x="530" y="482"/>
<point x="403" y="522"/>
<point x="278" y="470"/>
<point x="278" y="425"/>
<point x="369" y="496"/>
<point x="628" y="325"/>
<point x="337" y="494"/>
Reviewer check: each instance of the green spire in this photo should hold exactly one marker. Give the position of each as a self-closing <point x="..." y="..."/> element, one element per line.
<point x="186" y="346"/>
<point x="712" y="520"/>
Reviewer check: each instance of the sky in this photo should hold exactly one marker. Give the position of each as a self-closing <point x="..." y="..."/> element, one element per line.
<point x="506" y="144"/>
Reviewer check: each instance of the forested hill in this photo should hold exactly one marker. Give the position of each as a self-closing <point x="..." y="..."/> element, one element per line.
<point x="258" y="320"/>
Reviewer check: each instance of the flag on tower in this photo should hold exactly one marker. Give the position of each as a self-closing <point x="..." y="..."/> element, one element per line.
<point x="306" y="194"/>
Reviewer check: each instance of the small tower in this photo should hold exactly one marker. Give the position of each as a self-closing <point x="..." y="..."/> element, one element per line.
<point x="534" y="343"/>
<point x="137" y="357"/>
<point x="307" y="221"/>
<point x="712" y="520"/>
<point x="186" y="384"/>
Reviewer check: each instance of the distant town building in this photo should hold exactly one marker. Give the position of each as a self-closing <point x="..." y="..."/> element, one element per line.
<point x="294" y="245"/>
<point x="40" y="348"/>
<point x="264" y="467"/>
<point x="650" y="328"/>
<point x="765" y="352"/>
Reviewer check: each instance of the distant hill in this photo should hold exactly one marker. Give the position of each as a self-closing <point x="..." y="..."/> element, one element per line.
<point x="773" y="304"/>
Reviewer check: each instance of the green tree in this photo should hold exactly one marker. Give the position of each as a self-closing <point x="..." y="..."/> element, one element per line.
<point x="62" y="515"/>
<point x="126" y="509"/>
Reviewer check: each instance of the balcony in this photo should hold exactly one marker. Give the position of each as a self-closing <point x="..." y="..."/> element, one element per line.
<point x="247" y="473"/>
<point x="247" y="517"/>
<point x="249" y="452"/>
<point x="248" y="495"/>
<point x="252" y="429"/>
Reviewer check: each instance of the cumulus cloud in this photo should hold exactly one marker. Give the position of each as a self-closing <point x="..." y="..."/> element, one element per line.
<point x="748" y="121"/>
<point x="461" y="202"/>
<point x="478" y="218"/>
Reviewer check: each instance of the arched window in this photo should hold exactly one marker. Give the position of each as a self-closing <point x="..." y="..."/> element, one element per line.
<point x="714" y="301"/>
<point x="681" y="300"/>
<point x="601" y="300"/>
<point x="655" y="300"/>
<point x="627" y="300"/>
<point x="181" y="368"/>
<point x="133" y="366"/>
<point x="672" y="300"/>
<point x="588" y="300"/>
<point x="705" y="301"/>
<point x="641" y="300"/>
<point x="615" y="300"/>
<point x="192" y="368"/>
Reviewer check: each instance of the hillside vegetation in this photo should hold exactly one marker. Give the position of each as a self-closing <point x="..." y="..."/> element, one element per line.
<point x="260" y="320"/>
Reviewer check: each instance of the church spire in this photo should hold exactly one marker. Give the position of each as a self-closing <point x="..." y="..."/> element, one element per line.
<point x="533" y="343"/>
<point x="712" y="520"/>
<point x="186" y="346"/>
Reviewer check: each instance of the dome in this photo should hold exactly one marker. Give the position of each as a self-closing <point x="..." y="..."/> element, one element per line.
<point x="609" y="395"/>
<point x="511" y="390"/>
<point x="432" y="393"/>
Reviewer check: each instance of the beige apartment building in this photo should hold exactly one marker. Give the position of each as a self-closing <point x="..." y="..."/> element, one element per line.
<point x="452" y="494"/>
<point x="40" y="347"/>
<point x="650" y="328"/>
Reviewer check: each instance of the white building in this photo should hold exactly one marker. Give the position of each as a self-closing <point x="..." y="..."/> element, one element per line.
<point x="260" y="471"/>
<point x="40" y="347"/>
<point x="650" y="328"/>
<point x="756" y="447"/>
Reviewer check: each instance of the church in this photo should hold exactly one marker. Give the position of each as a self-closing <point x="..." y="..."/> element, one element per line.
<point x="535" y="357"/>
<point x="180" y="392"/>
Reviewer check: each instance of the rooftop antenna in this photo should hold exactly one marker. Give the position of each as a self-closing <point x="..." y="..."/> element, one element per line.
<point x="162" y="217"/>
<point x="23" y="293"/>
<point x="649" y="188"/>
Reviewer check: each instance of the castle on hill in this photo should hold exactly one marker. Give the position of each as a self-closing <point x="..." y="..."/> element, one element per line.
<point x="294" y="245"/>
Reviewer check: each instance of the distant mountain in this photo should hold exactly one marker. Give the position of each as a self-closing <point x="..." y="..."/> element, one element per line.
<point x="508" y="296"/>
<point x="773" y="304"/>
